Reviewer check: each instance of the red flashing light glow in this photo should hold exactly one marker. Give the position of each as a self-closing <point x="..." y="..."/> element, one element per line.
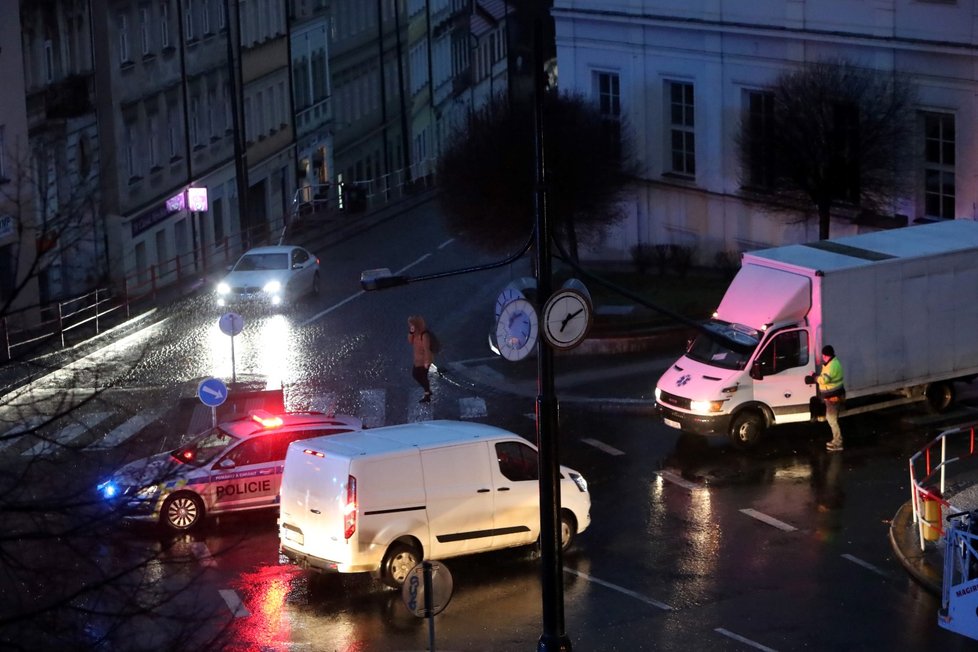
<point x="187" y="455"/>
<point x="267" y="421"/>
<point x="350" y="511"/>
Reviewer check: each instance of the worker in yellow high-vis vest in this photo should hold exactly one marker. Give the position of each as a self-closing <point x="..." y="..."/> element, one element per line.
<point x="833" y="393"/>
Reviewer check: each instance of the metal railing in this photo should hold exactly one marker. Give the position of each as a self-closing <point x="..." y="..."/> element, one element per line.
<point x="928" y="477"/>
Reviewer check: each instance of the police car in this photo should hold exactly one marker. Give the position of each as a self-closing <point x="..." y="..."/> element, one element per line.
<point x="233" y="467"/>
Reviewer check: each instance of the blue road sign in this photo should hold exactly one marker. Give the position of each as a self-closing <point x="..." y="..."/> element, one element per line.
<point x="231" y="323"/>
<point x="212" y="392"/>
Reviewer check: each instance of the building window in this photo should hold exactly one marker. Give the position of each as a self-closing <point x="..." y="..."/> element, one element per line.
<point x="759" y="120"/>
<point x="48" y="61"/>
<point x="221" y="18"/>
<point x="939" y="165"/>
<point x="195" y="122"/>
<point x="154" y="154"/>
<point x="682" y="138"/>
<point x="130" y="151"/>
<point x="188" y="15"/>
<point x="3" y="157"/>
<point x="205" y="17"/>
<point x="171" y="131"/>
<point x="144" y="29"/>
<point x="124" y="39"/>
<point x="165" y="25"/>
<point x="609" y="106"/>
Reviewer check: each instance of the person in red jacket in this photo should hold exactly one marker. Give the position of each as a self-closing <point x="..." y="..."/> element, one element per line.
<point x="421" y="347"/>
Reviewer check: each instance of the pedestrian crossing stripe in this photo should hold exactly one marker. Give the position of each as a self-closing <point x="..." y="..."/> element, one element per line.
<point x="67" y="435"/>
<point x="13" y="435"/>
<point x="124" y="432"/>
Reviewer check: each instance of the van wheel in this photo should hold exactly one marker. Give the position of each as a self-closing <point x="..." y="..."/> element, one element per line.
<point x="940" y="396"/>
<point x="182" y="511"/>
<point x="746" y="430"/>
<point x="568" y="530"/>
<point x="398" y="562"/>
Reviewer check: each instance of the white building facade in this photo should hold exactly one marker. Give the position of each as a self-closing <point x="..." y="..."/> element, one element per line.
<point x="681" y="75"/>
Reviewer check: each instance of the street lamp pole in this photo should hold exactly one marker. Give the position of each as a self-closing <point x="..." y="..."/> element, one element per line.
<point x="551" y="561"/>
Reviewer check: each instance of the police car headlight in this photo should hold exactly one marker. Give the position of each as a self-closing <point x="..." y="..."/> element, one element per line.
<point x="705" y="407"/>
<point x="223" y="288"/>
<point x="148" y="492"/>
<point x="579" y="481"/>
<point x="272" y="287"/>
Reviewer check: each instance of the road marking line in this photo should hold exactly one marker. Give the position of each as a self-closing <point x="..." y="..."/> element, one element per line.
<point x="123" y="432"/>
<point x="601" y="446"/>
<point x="615" y="587"/>
<point x="358" y="294"/>
<point x="669" y="476"/>
<point x="373" y="409"/>
<point x="333" y="307"/>
<point x="234" y="603"/>
<point x="866" y="565"/>
<point x="745" y="641"/>
<point x="67" y="434"/>
<point x="21" y="430"/>
<point x="471" y="407"/>
<point x="203" y="554"/>
<point x="446" y="243"/>
<point x="770" y="520"/>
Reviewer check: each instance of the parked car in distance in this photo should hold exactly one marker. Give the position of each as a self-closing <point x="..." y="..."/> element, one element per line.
<point x="270" y="276"/>
<point x="382" y="500"/>
<point x="232" y="467"/>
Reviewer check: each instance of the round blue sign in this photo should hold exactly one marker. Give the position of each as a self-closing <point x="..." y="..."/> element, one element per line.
<point x="212" y="392"/>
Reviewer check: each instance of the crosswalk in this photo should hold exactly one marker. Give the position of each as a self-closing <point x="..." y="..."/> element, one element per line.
<point x="99" y="429"/>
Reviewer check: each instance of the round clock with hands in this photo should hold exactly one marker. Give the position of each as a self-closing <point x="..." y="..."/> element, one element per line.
<point x="566" y="318"/>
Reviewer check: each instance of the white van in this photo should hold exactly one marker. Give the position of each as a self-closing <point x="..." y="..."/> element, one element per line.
<point x="382" y="500"/>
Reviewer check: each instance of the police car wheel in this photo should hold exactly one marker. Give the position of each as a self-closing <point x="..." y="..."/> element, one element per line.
<point x="182" y="511"/>
<point x="568" y="530"/>
<point x="398" y="562"/>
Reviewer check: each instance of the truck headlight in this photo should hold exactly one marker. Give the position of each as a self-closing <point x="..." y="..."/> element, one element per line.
<point x="705" y="407"/>
<point x="658" y="393"/>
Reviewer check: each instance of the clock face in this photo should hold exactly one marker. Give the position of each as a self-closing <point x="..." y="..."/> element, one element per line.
<point x="566" y="319"/>
<point x="508" y="294"/>
<point x="517" y="329"/>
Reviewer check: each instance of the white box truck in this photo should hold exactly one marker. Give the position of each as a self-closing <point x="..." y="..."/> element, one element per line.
<point x="386" y="499"/>
<point x="900" y="307"/>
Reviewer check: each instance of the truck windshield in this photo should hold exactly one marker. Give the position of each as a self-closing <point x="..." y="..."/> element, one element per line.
<point x="714" y="351"/>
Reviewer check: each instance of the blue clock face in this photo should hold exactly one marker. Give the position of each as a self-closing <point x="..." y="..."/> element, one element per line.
<point x="517" y="329"/>
<point x="507" y="295"/>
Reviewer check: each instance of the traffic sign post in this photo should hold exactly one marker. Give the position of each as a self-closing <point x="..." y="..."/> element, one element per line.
<point x="212" y="392"/>
<point x="231" y="324"/>
<point x="427" y="590"/>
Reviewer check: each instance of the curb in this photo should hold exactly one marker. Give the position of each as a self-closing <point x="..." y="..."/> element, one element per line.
<point x="914" y="561"/>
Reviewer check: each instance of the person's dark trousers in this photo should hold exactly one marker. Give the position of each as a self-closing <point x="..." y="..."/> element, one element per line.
<point x="420" y="374"/>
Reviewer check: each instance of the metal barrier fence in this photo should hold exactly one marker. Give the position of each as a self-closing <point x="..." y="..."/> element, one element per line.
<point x="928" y="481"/>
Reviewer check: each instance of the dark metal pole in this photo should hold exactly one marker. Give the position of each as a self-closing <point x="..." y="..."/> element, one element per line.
<point x="551" y="561"/>
<point x="235" y="83"/>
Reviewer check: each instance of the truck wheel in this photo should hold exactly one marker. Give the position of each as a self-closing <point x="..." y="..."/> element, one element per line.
<point x="940" y="396"/>
<point x="398" y="562"/>
<point x="746" y="430"/>
<point x="182" y="511"/>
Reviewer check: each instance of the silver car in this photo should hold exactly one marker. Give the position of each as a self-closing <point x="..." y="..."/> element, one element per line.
<point x="271" y="276"/>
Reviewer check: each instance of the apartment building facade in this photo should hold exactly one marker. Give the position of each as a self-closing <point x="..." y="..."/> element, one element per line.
<point x="681" y="76"/>
<point x="19" y="295"/>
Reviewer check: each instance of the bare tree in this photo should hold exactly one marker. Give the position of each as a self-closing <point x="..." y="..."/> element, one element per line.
<point x="832" y="134"/>
<point x="487" y="174"/>
<point x="68" y="580"/>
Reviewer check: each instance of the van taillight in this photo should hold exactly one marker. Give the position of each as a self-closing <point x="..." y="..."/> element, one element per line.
<point x="350" y="512"/>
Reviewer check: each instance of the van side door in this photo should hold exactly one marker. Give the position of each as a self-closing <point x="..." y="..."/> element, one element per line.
<point x="459" y="498"/>
<point x="517" y="493"/>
